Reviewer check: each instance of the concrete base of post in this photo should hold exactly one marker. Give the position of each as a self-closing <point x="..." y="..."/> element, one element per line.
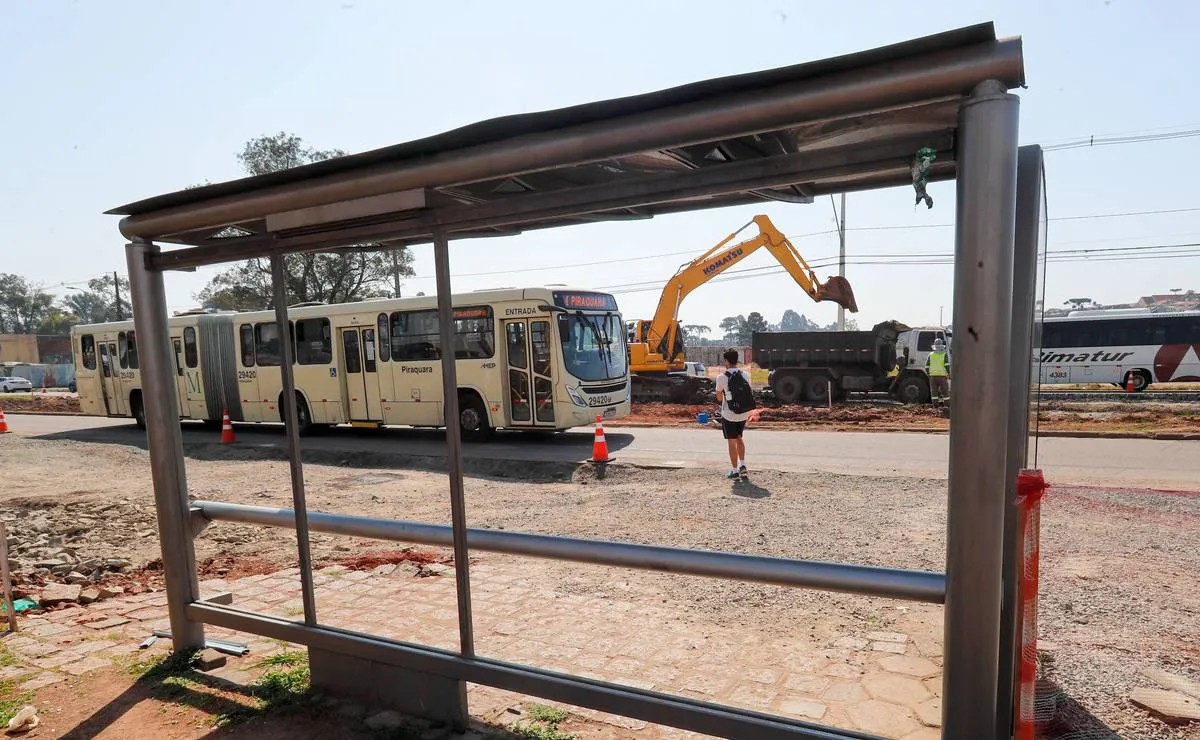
<point x="390" y="687"/>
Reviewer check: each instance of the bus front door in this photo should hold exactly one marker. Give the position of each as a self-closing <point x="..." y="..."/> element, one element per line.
<point x="529" y="382"/>
<point x="360" y="368"/>
<point x="114" y="396"/>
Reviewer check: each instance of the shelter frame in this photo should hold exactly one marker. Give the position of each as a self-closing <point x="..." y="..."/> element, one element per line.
<point x="850" y="123"/>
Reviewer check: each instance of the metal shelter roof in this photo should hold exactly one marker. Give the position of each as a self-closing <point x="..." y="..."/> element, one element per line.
<point x="789" y="134"/>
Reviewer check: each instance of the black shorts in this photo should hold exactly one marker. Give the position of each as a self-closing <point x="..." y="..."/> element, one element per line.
<point x="732" y="429"/>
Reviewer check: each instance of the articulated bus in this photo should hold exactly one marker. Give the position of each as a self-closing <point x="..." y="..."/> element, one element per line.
<point x="527" y="358"/>
<point x="1120" y="345"/>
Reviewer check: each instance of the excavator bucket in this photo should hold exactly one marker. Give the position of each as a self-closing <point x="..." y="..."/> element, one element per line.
<point x="837" y="289"/>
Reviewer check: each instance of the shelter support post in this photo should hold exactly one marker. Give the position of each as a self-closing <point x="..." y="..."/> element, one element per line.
<point x="979" y="408"/>
<point x="164" y="440"/>
<point x="289" y="410"/>
<point x="458" y="513"/>
<point x="1027" y="244"/>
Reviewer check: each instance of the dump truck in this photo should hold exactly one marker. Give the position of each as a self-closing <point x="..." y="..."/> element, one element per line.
<point x="817" y="365"/>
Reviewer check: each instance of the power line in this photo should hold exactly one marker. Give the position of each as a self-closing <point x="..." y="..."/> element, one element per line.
<point x="1094" y="141"/>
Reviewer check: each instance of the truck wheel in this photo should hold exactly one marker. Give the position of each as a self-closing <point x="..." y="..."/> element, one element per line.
<point x="913" y="389"/>
<point x="816" y="388"/>
<point x="787" y="388"/>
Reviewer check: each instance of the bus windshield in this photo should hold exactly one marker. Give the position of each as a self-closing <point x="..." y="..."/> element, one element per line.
<point x="593" y="345"/>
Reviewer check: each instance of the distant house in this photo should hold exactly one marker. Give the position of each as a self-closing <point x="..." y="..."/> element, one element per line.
<point x="1181" y="301"/>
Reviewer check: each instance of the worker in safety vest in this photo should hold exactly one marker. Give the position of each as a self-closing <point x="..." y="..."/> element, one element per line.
<point x="938" y="367"/>
<point x="894" y="373"/>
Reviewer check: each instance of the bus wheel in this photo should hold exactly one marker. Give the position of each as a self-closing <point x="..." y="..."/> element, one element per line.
<point x="303" y="418"/>
<point x="472" y="418"/>
<point x="1141" y="379"/>
<point x="137" y="410"/>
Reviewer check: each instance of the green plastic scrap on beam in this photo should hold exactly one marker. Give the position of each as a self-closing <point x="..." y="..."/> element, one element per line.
<point x="922" y="163"/>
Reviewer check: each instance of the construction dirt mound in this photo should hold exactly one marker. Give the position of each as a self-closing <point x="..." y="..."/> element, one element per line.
<point x="40" y="403"/>
<point x="840" y="416"/>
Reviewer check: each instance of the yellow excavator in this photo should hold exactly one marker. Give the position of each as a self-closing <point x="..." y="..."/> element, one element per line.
<point x="656" y="354"/>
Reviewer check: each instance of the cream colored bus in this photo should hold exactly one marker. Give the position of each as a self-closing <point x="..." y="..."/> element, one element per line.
<point x="528" y="358"/>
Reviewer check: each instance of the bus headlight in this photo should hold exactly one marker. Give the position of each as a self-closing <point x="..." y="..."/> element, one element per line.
<point x="574" y="394"/>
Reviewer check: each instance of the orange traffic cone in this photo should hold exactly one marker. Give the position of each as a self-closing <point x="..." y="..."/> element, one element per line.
<point x="1129" y="383"/>
<point x="600" y="446"/>
<point x="226" y="429"/>
<point x="3" y="423"/>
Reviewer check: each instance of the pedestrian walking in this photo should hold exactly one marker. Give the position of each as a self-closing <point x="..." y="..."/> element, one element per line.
<point x="938" y="367"/>
<point x="737" y="401"/>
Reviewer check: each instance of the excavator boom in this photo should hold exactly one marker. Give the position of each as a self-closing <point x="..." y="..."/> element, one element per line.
<point x="657" y="346"/>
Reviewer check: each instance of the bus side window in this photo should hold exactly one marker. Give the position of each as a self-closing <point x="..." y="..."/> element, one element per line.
<point x="178" y="351"/>
<point x="87" y="348"/>
<point x="133" y="355"/>
<point x="122" y="351"/>
<point x="385" y="339"/>
<point x="415" y="335"/>
<point x="246" y="339"/>
<point x="191" y="354"/>
<point x="314" y="345"/>
<point x="266" y="345"/>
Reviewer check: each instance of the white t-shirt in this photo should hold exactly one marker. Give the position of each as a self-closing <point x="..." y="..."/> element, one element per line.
<point x="723" y="385"/>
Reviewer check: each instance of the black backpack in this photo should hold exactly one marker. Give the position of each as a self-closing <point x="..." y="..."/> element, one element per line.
<point x="739" y="397"/>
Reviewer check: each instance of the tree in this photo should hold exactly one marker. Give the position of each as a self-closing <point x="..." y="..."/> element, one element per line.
<point x="57" y="321"/>
<point x="23" y="305"/>
<point x="754" y="322"/>
<point x="694" y="332"/>
<point x="1078" y="303"/>
<point x="335" y="277"/>
<point x="99" y="302"/>
<point x="734" y="328"/>
<point x="792" y="321"/>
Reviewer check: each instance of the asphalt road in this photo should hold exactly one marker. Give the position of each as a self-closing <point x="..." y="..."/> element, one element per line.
<point x="1103" y="462"/>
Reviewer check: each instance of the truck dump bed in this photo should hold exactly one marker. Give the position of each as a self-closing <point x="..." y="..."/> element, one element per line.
<point x="827" y="348"/>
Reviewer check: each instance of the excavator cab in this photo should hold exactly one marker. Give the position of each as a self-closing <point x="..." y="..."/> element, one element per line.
<point x="838" y="290"/>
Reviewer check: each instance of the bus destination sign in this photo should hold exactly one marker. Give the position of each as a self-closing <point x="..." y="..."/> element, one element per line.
<point x="585" y="301"/>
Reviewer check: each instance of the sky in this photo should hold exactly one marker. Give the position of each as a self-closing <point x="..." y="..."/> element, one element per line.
<point x="107" y="102"/>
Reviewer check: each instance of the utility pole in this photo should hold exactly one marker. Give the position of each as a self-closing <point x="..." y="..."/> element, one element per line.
<point x="841" y="222"/>
<point x="117" y="294"/>
<point x="396" y="273"/>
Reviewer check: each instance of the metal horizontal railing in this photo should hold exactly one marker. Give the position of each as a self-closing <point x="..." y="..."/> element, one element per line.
<point x="912" y="585"/>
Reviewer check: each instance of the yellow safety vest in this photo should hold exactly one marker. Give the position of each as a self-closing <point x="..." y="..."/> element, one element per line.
<point x="937" y="365"/>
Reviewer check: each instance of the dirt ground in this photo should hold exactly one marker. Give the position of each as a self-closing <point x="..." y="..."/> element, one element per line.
<point x="1091" y="417"/>
<point x="1120" y="569"/>
<point x="1054" y="416"/>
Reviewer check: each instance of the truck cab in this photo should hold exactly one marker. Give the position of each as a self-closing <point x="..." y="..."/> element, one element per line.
<point x="913" y="383"/>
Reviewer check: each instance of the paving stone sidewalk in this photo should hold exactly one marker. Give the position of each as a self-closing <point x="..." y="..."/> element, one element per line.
<point x="886" y="683"/>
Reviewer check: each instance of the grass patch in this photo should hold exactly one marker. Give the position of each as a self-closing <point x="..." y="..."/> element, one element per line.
<point x="7" y="658"/>
<point x="541" y="724"/>
<point x="160" y="667"/>
<point x="543" y="713"/>
<point x="11" y="701"/>
<point x="286" y="658"/>
<point x="277" y="690"/>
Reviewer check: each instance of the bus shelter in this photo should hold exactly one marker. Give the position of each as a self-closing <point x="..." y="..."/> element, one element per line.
<point x="851" y="123"/>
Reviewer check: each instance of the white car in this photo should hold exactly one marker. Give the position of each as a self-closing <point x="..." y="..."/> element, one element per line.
<point x="15" y="385"/>
<point x="695" y="369"/>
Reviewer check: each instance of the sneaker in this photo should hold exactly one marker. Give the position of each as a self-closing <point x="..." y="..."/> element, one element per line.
<point x="743" y="472"/>
<point x="732" y="475"/>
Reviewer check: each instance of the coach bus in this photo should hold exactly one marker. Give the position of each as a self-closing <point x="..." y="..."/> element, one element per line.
<point x="527" y="358"/>
<point x="1121" y="345"/>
